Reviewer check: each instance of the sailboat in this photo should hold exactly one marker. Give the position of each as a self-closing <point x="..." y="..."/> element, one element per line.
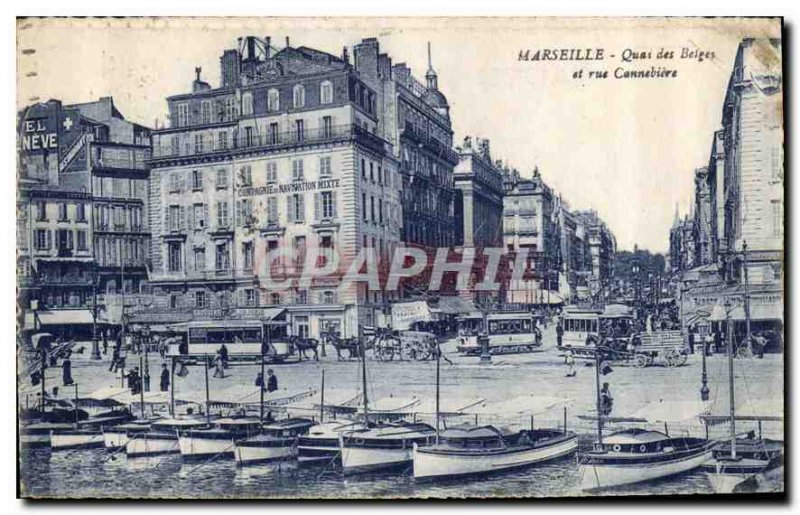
<point x="635" y="455"/>
<point x="384" y="446"/>
<point x="743" y="456"/>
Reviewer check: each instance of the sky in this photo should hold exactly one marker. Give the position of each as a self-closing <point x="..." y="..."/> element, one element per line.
<point x="627" y="148"/>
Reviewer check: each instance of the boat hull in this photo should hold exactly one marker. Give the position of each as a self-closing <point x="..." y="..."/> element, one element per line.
<point x="595" y="476"/>
<point x="151" y="445"/>
<point x="317" y="454"/>
<point x="357" y="460"/>
<point x="194" y="447"/>
<point x="430" y="463"/>
<point x="249" y="453"/>
<point x="69" y="440"/>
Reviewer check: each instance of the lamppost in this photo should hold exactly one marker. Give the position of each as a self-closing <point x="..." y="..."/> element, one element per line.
<point x="145" y="334"/>
<point x="95" y="343"/>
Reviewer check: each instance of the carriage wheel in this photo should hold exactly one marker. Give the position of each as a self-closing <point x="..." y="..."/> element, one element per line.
<point x="681" y="359"/>
<point x="673" y="358"/>
<point x="640" y="361"/>
<point x="744" y="351"/>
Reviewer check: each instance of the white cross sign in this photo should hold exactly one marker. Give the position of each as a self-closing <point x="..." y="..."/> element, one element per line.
<point x="68" y="123"/>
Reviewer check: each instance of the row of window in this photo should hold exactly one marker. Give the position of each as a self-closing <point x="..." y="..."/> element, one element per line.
<point x="66" y="212"/>
<point x="65" y="239"/>
<point x="118" y="218"/>
<point x="197" y="218"/>
<point x="229" y="109"/>
<point x="250" y="297"/>
<point x="119" y="187"/>
<point x="177" y="180"/>
<point x="119" y="251"/>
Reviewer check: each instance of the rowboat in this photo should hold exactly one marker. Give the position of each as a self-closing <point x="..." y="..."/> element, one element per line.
<point x="466" y="450"/>
<point x="278" y="441"/>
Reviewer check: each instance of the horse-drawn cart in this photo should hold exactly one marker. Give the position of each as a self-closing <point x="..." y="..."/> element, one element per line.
<point x="640" y="350"/>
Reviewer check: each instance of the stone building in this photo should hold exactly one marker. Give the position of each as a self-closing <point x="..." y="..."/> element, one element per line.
<point x="82" y="207"/>
<point x="285" y="154"/>
<point x="479" y="199"/>
<point x="528" y="223"/>
<point x="415" y="119"/>
<point x="602" y="246"/>
<point x="702" y="228"/>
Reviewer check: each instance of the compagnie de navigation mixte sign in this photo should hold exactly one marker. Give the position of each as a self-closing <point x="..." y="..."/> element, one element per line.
<point x="292" y="187"/>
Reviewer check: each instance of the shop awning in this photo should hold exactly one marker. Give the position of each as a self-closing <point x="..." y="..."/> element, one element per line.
<point x="65" y="317"/>
<point x="454" y="306"/>
<point x="758" y="312"/>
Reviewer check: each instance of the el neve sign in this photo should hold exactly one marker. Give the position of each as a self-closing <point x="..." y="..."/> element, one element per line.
<point x="36" y="137"/>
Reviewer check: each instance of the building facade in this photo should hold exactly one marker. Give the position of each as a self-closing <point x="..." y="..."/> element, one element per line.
<point x="284" y="155"/>
<point x="415" y="119"/>
<point x="479" y="197"/>
<point x="602" y="246"/>
<point x="528" y="223"/>
<point x="82" y="206"/>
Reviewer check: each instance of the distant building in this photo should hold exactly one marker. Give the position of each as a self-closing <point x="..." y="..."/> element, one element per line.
<point x="602" y="246"/>
<point x="702" y="228"/>
<point x="285" y="154"/>
<point x="479" y="199"/>
<point x="82" y="208"/>
<point x="415" y="119"/>
<point x="528" y="223"/>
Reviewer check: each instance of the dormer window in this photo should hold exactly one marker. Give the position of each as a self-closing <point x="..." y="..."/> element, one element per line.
<point x="247" y="103"/>
<point x="273" y="100"/>
<point x="326" y="92"/>
<point x="299" y="96"/>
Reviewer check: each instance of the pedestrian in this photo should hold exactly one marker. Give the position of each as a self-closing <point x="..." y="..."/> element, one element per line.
<point x="223" y="352"/>
<point x="691" y="339"/>
<point x="571" y="371"/>
<point x="66" y="371"/>
<point x="133" y="380"/>
<point x="105" y="346"/>
<point x="606" y="400"/>
<point x="761" y="342"/>
<point x="114" y="359"/>
<point x="164" y="377"/>
<point x="219" y="369"/>
<point x="260" y="380"/>
<point x="272" y="381"/>
<point x="559" y="333"/>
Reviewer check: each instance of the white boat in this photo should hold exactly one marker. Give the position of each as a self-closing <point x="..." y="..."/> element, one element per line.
<point x="162" y="437"/>
<point x="278" y="441"/>
<point x="38" y="434"/>
<point x="472" y="450"/>
<point x="753" y="456"/>
<point x="321" y="444"/>
<point x="76" y="439"/>
<point x="384" y="447"/>
<point x="217" y="441"/>
<point x="636" y="455"/>
<point x="116" y="437"/>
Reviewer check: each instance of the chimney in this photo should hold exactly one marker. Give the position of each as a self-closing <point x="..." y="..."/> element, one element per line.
<point x="287" y="41"/>
<point x="266" y="50"/>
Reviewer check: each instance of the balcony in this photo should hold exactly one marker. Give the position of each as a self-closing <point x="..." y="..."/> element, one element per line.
<point x="276" y="141"/>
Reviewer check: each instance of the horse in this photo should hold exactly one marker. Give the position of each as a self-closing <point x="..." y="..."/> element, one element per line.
<point x="351" y="345"/>
<point x="306" y="344"/>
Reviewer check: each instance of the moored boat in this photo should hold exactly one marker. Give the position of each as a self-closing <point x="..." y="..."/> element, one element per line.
<point x="473" y="450"/>
<point x="278" y="441"/>
<point x="218" y="440"/>
<point x="116" y="437"/>
<point x="385" y="447"/>
<point x="321" y="443"/>
<point x="162" y="438"/>
<point x="635" y="455"/>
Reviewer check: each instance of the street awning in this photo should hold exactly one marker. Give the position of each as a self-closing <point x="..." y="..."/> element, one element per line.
<point x="454" y="306"/>
<point x="65" y="317"/>
<point x="758" y="312"/>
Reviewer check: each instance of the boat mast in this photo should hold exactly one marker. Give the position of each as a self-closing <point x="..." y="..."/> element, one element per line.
<point x="322" y="398"/>
<point x="141" y="384"/>
<point x="438" y="361"/>
<point x="263" y="379"/>
<point x="208" y="397"/>
<point x="730" y="378"/>
<point x="364" y="379"/>
<point x="597" y="400"/>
